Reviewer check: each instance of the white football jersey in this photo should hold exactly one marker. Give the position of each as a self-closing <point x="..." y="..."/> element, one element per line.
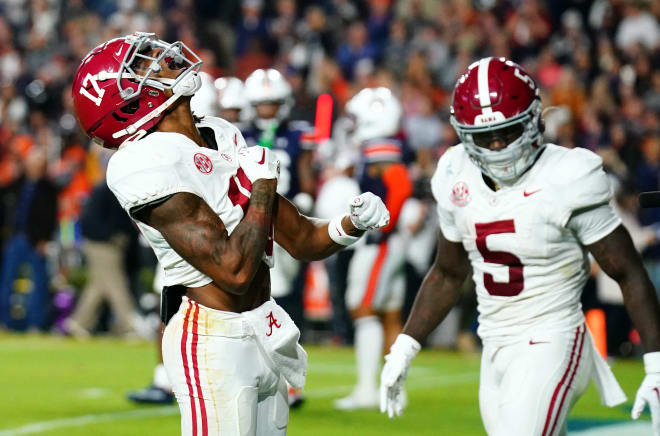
<point x="162" y="164"/>
<point x="529" y="265"/>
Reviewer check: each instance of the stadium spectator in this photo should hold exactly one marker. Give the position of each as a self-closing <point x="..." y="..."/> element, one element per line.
<point x="33" y="224"/>
<point x="106" y="231"/>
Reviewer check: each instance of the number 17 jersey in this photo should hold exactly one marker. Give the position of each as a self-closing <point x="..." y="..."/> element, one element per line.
<point x="526" y="248"/>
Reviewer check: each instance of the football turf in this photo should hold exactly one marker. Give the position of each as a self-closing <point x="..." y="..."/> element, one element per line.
<point x="59" y="386"/>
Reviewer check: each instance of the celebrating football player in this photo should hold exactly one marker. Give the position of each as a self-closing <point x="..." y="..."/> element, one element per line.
<point x="525" y="215"/>
<point x="208" y="206"/>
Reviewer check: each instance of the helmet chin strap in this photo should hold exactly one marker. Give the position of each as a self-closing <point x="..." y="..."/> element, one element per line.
<point x="185" y="87"/>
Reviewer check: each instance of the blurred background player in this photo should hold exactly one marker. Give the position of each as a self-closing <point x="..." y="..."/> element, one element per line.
<point x="376" y="280"/>
<point x="232" y="100"/>
<point x="339" y="186"/>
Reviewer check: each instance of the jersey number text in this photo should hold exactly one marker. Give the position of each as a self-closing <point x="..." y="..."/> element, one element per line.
<point x="516" y="282"/>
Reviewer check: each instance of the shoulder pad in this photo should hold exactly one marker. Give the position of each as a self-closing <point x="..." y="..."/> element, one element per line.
<point x="145" y="170"/>
<point x="578" y="182"/>
<point x="451" y="163"/>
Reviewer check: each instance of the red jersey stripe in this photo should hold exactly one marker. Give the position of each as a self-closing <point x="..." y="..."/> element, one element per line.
<point x="193" y="350"/>
<point x="186" y="368"/>
<point x="548" y="417"/>
<point x="570" y="381"/>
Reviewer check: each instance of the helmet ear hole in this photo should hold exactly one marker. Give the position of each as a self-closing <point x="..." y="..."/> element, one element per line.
<point x="131" y="108"/>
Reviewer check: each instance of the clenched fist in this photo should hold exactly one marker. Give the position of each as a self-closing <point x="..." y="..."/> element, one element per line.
<point x="368" y="212"/>
<point x="259" y="163"/>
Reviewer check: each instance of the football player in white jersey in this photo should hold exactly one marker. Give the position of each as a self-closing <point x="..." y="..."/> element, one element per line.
<point x="525" y="215"/>
<point x="208" y="206"/>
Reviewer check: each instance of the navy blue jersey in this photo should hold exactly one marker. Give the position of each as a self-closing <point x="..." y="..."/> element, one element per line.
<point x="288" y="141"/>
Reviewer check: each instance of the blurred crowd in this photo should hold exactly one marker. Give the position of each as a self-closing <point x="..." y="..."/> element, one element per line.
<point x="596" y="61"/>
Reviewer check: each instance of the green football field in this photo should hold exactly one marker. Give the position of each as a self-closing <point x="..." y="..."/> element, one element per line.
<point x="59" y="386"/>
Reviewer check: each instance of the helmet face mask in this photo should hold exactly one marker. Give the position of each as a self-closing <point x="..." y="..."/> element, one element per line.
<point x="146" y="49"/>
<point x="510" y="113"/>
<point x="121" y="85"/>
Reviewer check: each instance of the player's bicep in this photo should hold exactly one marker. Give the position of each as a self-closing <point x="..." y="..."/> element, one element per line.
<point x="190" y="227"/>
<point x="451" y="259"/>
<point x="616" y="255"/>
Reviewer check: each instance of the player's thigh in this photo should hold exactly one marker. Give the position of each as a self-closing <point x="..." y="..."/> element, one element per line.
<point x="488" y="390"/>
<point x="390" y="292"/>
<point x="215" y="380"/>
<point x="359" y="274"/>
<point x="543" y="379"/>
<point x="273" y="411"/>
<point x="376" y="276"/>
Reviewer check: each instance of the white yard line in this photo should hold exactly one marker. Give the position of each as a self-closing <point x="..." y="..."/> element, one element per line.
<point x="80" y="421"/>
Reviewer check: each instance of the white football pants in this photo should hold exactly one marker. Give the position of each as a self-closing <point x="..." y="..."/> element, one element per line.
<point x="528" y="388"/>
<point x="220" y="375"/>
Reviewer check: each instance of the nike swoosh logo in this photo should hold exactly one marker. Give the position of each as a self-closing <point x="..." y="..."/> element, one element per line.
<point x="527" y="194"/>
<point x="657" y="392"/>
<point x="263" y="157"/>
<point x="121" y="47"/>
<point x="531" y="342"/>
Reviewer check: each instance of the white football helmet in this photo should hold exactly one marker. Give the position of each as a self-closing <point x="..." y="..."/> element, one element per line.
<point x="205" y="100"/>
<point x="376" y="113"/>
<point x="269" y="86"/>
<point x="231" y="93"/>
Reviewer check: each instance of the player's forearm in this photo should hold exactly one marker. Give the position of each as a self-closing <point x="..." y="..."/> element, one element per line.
<point x="437" y="295"/>
<point x="249" y="238"/>
<point x="642" y="305"/>
<point x="315" y="242"/>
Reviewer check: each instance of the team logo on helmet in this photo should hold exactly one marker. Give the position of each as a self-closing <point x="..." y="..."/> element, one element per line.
<point x="460" y="194"/>
<point x="203" y="163"/>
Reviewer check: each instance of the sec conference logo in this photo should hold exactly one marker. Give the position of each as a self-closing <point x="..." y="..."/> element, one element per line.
<point x="460" y="194"/>
<point x="203" y="163"/>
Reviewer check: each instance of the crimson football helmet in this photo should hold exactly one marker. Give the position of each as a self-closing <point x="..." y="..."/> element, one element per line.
<point x="497" y="99"/>
<point x="115" y="101"/>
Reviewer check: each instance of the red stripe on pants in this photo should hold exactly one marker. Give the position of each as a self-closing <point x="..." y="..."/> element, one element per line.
<point x="570" y="381"/>
<point x="193" y="350"/>
<point x="372" y="284"/>
<point x="548" y="418"/>
<point x="186" y="369"/>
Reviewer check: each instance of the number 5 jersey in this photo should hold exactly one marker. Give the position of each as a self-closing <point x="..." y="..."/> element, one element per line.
<point x="526" y="242"/>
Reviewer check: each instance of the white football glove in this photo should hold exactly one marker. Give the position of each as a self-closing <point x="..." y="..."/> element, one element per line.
<point x="649" y="391"/>
<point x="259" y="163"/>
<point x="368" y="212"/>
<point x="402" y="352"/>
